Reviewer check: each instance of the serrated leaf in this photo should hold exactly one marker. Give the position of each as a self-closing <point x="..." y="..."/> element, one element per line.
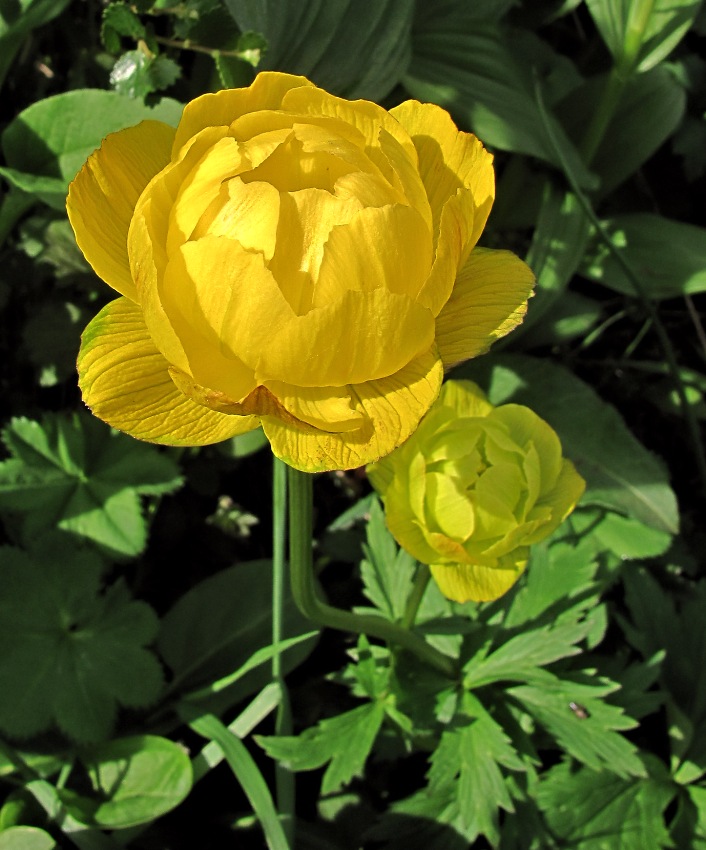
<point x="468" y="758"/>
<point x="519" y="658"/>
<point x="387" y="571"/>
<point x="347" y="49"/>
<point x="136" y="779"/>
<point x="69" y="655"/>
<point x="77" y="475"/>
<point x="591" y="733"/>
<point x="119" y="18"/>
<point x="620" y="472"/>
<point x="344" y="740"/>
<point x="589" y="810"/>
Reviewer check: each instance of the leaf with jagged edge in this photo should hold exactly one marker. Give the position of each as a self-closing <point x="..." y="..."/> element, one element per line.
<point x="69" y="653"/>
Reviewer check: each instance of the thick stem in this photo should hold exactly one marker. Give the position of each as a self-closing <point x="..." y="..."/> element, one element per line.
<point x="421" y="582"/>
<point x="308" y="602"/>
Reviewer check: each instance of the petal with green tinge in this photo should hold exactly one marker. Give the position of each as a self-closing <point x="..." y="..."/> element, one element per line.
<point x="125" y="381"/>
<point x="476" y="583"/>
<point x="392" y="408"/>
<point x="103" y="196"/>
<point x="488" y="300"/>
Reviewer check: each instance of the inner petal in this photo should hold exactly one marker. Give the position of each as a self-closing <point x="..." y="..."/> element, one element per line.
<point x="246" y="212"/>
<point x="305" y="222"/>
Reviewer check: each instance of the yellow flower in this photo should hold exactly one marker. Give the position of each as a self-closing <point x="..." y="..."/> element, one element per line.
<point x="290" y="259"/>
<point x="473" y="488"/>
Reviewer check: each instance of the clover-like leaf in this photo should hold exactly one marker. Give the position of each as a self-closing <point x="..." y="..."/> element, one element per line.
<point x="70" y="654"/>
<point x="77" y="475"/>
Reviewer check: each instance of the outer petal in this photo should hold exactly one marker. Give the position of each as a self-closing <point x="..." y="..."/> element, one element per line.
<point x="392" y="406"/>
<point x="223" y="107"/>
<point x="449" y="159"/>
<point x="561" y="499"/>
<point x="470" y="582"/>
<point x="102" y="197"/>
<point x="487" y="302"/>
<point x="125" y="382"/>
<point x="363" y="336"/>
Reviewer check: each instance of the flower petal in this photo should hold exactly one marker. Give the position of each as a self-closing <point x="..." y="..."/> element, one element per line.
<point x="326" y="408"/>
<point x="103" y="196"/>
<point x="487" y="302"/>
<point x="223" y="107"/>
<point x="364" y="336"/>
<point x="226" y="306"/>
<point x="561" y="499"/>
<point x="392" y="406"/>
<point x="380" y="248"/>
<point x="449" y="159"/>
<point x="477" y="583"/>
<point x="125" y="381"/>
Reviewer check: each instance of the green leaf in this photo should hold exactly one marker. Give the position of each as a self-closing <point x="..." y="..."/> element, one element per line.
<point x="137" y="74"/>
<point x="344" y="740"/>
<point x="69" y="655"/>
<point x="589" y="732"/>
<point x="651" y="107"/>
<point x="120" y="20"/>
<point x="136" y="780"/>
<point x="669" y="256"/>
<point x="620" y="473"/>
<point x="639" y="34"/>
<point x="47" y="143"/>
<point x="246" y="772"/>
<point x="479" y="74"/>
<point x="78" y="475"/>
<point x="217" y="626"/>
<point x="627" y="538"/>
<point x="589" y="810"/>
<point x="518" y="659"/>
<point x="17" y="20"/>
<point x="350" y="52"/>
<point x="387" y="570"/>
<point x="26" y="838"/>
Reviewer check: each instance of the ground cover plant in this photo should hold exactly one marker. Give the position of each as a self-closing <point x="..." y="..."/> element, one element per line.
<point x="313" y="605"/>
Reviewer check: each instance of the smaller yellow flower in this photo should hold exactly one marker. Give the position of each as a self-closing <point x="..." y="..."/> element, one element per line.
<point x="473" y="488"/>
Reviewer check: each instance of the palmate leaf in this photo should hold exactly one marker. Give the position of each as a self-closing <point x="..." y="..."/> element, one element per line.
<point x="573" y="711"/>
<point x="344" y="740"/>
<point x="589" y="810"/>
<point x="77" y="475"/>
<point x="70" y="655"/>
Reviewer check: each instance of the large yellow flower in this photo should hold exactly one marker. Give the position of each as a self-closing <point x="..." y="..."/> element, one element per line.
<point x="290" y="259"/>
<point x="473" y="488"/>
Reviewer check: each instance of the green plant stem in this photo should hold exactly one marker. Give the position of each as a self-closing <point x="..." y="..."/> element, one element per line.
<point x="284" y="779"/>
<point x="306" y="597"/>
<point x="647" y="305"/>
<point x="421" y="582"/>
<point x="602" y="116"/>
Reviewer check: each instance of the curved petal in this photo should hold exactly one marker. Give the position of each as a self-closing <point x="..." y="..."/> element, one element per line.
<point x="222" y="108"/>
<point x="449" y="159"/>
<point x="125" y="381"/>
<point x="364" y="336"/>
<point x="392" y="408"/>
<point x="381" y="247"/>
<point x="562" y="499"/>
<point x="477" y="583"/>
<point x="487" y="302"/>
<point x="103" y="196"/>
<point x="326" y="408"/>
<point x="367" y="117"/>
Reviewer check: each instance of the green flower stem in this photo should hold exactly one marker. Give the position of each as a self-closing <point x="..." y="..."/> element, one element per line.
<point x="421" y="582"/>
<point x="308" y="602"/>
<point x="284" y="779"/>
<point x="640" y="15"/>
